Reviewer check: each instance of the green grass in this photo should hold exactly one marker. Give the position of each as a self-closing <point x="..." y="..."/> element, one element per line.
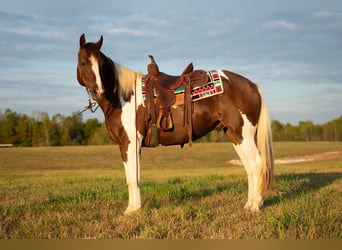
<point x="80" y="192"/>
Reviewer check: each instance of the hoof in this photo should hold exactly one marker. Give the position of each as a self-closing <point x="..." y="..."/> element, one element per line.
<point x="248" y="205"/>
<point x="253" y="207"/>
<point x="131" y="210"/>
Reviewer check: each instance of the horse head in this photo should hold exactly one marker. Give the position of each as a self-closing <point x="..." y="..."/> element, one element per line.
<point x="89" y="66"/>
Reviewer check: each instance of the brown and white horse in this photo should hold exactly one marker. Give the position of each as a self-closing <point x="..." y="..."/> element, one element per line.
<point x="240" y="111"/>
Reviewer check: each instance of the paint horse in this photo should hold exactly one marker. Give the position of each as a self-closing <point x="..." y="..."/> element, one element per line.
<point x="240" y="111"/>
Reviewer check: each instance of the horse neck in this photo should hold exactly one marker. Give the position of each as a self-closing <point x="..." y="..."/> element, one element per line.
<point x="126" y="79"/>
<point x="124" y="86"/>
<point x="106" y="106"/>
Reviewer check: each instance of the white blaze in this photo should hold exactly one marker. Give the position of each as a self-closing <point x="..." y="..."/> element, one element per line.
<point x="96" y="70"/>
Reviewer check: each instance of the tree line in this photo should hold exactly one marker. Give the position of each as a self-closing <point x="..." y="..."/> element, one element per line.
<point x="60" y="130"/>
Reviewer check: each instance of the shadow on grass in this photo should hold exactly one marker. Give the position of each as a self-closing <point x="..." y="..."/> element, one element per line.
<point x="182" y="190"/>
<point x="290" y="186"/>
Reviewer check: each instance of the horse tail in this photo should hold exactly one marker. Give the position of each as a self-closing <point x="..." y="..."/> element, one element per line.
<point x="264" y="144"/>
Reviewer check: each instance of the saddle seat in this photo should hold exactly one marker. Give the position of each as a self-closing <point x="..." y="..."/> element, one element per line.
<point x="165" y="85"/>
<point x="163" y="80"/>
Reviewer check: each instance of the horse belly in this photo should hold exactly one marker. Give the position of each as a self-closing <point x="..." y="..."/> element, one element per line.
<point x="204" y="119"/>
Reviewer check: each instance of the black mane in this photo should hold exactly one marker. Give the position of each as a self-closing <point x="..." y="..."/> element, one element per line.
<point x="109" y="80"/>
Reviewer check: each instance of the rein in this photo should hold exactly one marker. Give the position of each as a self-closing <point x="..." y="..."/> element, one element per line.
<point x="136" y="136"/>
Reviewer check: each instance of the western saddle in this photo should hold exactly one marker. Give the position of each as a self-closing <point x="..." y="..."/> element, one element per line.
<point x="160" y="92"/>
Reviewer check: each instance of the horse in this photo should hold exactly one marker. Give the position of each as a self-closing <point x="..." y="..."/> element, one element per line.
<point x="240" y="111"/>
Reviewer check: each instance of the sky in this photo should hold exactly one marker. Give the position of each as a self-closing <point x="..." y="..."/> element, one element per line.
<point x="292" y="50"/>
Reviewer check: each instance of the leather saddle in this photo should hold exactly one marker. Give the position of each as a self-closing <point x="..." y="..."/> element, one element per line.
<point x="164" y="86"/>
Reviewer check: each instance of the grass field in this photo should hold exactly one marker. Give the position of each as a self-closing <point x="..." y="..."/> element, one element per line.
<point x="80" y="192"/>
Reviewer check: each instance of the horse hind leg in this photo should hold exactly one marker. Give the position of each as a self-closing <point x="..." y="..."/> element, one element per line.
<point x="247" y="150"/>
<point x="251" y="162"/>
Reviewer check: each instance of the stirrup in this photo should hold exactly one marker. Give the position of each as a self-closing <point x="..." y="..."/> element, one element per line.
<point x="169" y="123"/>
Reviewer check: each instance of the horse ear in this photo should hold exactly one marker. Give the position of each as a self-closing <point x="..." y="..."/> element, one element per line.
<point x="82" y="40"/>
<point x="99" y="43"/>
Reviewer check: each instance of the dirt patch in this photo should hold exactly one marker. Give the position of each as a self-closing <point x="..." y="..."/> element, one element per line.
<point x="297" y="159"/>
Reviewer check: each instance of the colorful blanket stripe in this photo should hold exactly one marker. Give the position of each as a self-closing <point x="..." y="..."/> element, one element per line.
<point x="211" y="88"/>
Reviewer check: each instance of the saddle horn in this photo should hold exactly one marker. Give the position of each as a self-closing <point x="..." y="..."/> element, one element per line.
<point x="152" y="68"/>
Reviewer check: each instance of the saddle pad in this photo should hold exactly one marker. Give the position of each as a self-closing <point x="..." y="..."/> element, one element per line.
<point x="211" y="88"/>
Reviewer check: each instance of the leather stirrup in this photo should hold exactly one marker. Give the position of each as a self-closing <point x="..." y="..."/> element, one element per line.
<point x="169" y="122"/>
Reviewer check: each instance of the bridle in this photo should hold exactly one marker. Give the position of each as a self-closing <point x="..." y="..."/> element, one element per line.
<point x="92" y="105"/>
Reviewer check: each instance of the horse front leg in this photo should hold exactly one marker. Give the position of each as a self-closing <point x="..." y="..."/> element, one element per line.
<point x="132" y="171"/>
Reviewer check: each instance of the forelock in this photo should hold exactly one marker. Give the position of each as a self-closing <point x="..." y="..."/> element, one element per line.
<point x="91" y="50"/>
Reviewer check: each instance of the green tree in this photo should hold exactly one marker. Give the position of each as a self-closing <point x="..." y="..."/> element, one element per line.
<point x="306" y="131"/>
<point x="100" y="136"/>
<point x="332" y="130"/>
<point x="8" y="127"/>
<point x="56" y="130"/>
<point x="23" y="129"/>
<point x="90" y="128"/>
<point x="277" y="131"/>
<point x="71" y="130"/>
<point x="42" y="126"/>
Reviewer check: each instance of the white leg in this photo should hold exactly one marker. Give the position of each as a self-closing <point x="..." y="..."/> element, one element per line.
<point x="251" y="160"/>
<point x="129" y="120"/>
<point x="132" y="170"/>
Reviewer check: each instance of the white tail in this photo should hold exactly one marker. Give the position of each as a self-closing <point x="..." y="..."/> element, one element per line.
<point x="264" y="144"/>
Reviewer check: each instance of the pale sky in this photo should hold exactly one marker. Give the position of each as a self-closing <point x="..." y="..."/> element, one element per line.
<point x="292" y="50"/>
